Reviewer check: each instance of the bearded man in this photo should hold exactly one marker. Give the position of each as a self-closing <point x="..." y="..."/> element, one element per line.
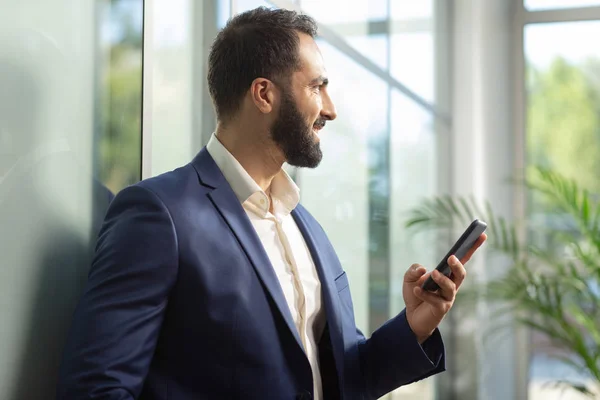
<point x="213" y="282"/>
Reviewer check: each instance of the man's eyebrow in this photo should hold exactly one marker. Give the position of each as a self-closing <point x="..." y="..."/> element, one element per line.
<point x="320" y="80"/>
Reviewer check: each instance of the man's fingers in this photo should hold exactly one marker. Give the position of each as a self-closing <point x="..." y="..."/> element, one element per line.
<point x="474" y="248"/>
<point x="447" y="286"/>
<point x="414" y="273"/>
<point x="458" y="271"/>
<point x="428" y="297"/>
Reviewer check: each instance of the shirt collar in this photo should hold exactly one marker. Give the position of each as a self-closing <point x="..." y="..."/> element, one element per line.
<point x="284" y="192"/>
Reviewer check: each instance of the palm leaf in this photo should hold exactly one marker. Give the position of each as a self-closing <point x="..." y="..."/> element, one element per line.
<point x="444" y="212"/>
<point x="567" y="196"/>
<point x="578" y="387"/>
<point x="554" y="288"/>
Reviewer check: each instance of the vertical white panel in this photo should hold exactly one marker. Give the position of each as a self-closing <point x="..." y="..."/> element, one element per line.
<point x="482" y="148"/>
<point x="147" y="88"/>
<point x="170" y="71"/>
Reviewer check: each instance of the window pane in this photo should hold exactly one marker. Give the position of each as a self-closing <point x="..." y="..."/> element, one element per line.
<point x="536" y="5"/>
<point x="372" y="46"/>
<point x="563" y="134"/>
<point x="412" y="61"/>
<point x="70" y="105"/>
<point x="337" y="192"/>
<point x="414" y="166"/>
<point x="563" y="73"/>
<point x="412" y="51"/>
<point x="363" y="25"/>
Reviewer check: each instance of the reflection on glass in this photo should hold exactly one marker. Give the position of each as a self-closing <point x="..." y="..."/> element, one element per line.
<point x="63" y="119"/>
<point x="535" y="5"/>
<point x="563" y="133"/>
<point x="563" y="82"/>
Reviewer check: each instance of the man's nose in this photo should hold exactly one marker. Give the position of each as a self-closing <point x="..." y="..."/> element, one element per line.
<point x="328" y="112"/>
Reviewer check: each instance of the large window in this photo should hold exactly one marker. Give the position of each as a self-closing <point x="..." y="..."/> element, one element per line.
<point x="563" y="134"/>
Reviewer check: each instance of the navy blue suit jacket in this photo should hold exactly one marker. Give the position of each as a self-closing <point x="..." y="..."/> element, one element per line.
<point x="182" y="303"/>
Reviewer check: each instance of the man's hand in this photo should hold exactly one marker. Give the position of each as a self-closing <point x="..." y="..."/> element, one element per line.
<point x="425" y="310"/>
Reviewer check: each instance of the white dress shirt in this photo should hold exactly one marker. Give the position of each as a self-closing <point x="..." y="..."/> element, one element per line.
<point x="285" y="246"/>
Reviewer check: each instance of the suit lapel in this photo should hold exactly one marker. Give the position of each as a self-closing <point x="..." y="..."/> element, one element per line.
<point x="229" y="207"/>
<point x="329" y="292"/>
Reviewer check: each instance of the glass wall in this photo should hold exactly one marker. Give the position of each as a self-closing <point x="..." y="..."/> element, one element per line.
<point x="563" y="134"/>
<point x="70" y="134"/>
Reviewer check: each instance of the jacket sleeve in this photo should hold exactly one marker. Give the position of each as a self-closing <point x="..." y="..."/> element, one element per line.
<point x="392" y="357"/>
<point x="118" y="319"/>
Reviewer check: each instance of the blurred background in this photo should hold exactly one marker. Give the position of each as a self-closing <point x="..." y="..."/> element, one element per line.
<point x="443" y="108"/>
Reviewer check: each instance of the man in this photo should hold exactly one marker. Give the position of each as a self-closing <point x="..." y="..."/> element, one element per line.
<point x="212" y="282"/>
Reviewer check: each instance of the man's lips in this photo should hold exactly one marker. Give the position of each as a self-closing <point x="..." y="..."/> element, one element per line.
<point x="319" y="125"/>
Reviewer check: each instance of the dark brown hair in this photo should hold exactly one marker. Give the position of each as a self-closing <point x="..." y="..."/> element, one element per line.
<point x="261" y="43"/>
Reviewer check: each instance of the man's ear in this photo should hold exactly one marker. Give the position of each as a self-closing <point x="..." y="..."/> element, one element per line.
<point x="263" y="94"/>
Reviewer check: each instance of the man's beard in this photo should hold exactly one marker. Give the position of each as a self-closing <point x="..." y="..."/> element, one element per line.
<point x="294" y="136"/>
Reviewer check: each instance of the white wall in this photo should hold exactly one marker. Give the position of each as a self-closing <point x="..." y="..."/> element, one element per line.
<point x="487" y="361"/>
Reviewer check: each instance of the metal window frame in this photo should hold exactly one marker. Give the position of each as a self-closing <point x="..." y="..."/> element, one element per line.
<point x="383" y="26"/>
<point x="560" y="15"/>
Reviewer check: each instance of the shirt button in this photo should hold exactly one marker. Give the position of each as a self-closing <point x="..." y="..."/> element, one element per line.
<point x="262" y="201"/>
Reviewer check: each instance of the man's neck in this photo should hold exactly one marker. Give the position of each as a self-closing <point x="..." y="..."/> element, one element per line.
<point x="259" y="159"/>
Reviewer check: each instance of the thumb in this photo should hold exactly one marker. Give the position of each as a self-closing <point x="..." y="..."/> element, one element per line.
<point x="414" y="273"/>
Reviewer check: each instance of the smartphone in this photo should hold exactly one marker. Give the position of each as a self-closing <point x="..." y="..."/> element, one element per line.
<point x="460" y="249"/>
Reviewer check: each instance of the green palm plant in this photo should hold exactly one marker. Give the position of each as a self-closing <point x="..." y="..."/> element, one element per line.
<point x="552" y="288"/>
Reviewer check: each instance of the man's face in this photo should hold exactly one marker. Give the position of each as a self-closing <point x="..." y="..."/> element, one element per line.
<point x="304" y="108"/>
